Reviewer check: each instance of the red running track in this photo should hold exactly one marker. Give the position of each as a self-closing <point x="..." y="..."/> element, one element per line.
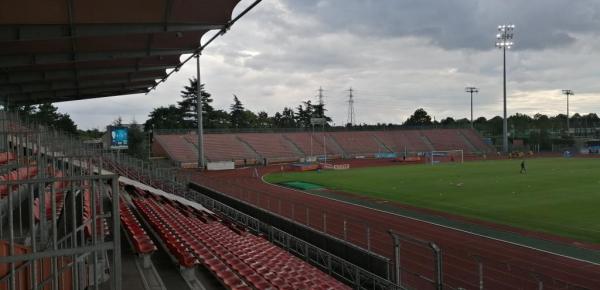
<point x="505" y="266"/>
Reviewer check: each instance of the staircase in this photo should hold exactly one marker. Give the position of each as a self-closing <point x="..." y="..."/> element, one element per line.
<point x="293" y="145"/>
<point x="472" y="147"/>
<point x="259" y="157"/>
<point x="337" y="147"/>
<point x="427" y="143"/>
<point x="381" y="144"/>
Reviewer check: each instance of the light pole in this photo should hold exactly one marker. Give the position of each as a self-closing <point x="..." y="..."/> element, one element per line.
<point x="568" y="93"/>
<point x="504" y="42"/>
<point x="471" y="90"/>
<point x="199" y="108"/>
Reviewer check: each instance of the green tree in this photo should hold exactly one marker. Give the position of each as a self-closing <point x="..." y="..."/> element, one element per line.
<point x="419" y="118"/>
<point x="237" y="113"/>
<point x="249" y="120"/>
<point x="276" y="120"/>
<point x="189" y="106"/>
<point x="263" y="120"/>
<point x="288" y="119"/>
<point x="66" y="124"/>
<point x="25" y="110"/>
<point x="318" y="111"/>
<point x="117" y="122"/>
<point x="91" y="134"/>
<point x="169" y="117"/>
<point x="285" y="119"/>
<point x="464" y="122"/>
<point x="303" y="115"/>
<point x="48" y="114"/>
<point x="448" y="121"/>
<point x="220" y="119"/>
<point x="136" y="141"/>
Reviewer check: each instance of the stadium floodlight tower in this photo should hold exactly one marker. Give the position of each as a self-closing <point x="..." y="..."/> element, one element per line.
<point x="504" y="42"/>
<point x="568" y="93"/>
<point x="471" y="90"/>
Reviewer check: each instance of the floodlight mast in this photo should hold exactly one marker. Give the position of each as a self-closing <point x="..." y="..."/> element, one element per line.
<point x="471" y="90"/>
<point x="568" y="93"/>
<point x="504" y="42"/>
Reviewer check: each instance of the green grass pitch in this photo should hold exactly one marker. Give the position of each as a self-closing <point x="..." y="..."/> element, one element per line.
<point x="557" y="195"/>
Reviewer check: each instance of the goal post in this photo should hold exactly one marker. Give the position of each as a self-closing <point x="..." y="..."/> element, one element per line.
<point x="454" y="156"/>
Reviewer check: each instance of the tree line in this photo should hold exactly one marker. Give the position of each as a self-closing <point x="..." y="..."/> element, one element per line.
<point x="184" y="114"/>
<point x="47" y="114"/>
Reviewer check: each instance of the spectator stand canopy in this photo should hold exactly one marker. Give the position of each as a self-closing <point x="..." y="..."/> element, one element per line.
<point x="64" y="50"/>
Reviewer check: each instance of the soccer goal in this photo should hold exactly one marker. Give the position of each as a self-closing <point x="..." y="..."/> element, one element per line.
<point x="454" y="156"/>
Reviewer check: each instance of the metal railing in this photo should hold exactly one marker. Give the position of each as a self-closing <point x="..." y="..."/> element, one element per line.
<point x="54" y="224"/>
<point x="337" y="267"/>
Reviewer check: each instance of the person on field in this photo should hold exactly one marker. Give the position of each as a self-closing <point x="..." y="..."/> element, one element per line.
<point x="523" y="168"/>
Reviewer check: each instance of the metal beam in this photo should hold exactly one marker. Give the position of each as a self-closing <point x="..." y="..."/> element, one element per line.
<point x="72" y="84"/>
<point x="28" y="77"/>
<point x="9" y="61"/>
<point x="81" y="97"/>
<point x="10" y="33"/>
<point x="201" y="47"/>
<point x="67" y="93"/>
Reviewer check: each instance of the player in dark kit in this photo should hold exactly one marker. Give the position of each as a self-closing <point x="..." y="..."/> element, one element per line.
<point x="523" y="168"/>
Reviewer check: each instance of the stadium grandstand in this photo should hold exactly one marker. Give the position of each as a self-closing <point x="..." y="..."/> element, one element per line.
<point x="74" y="215"/>
<point x="258" y="148"/>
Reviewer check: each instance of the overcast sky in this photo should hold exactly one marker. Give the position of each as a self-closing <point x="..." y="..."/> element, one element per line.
<point x="398" y="55"/>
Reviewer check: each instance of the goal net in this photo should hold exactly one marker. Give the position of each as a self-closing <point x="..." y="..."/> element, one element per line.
<point x="452" y="156"/>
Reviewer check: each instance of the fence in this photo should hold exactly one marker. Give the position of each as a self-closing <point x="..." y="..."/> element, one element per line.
<point x="54" y="230"/>
<point x="351" y="274"/>
<point x="419" y="268"/>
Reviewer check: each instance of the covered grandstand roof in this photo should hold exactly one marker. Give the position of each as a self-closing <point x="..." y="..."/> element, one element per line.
<point x="62" y="50"/>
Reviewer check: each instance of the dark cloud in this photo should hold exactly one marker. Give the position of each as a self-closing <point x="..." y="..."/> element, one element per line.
<point x="458" y="24"/>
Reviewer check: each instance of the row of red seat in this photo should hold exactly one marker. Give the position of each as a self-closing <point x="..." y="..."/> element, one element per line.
<point x="239" y="259"/>
<point x="59" y="187"/>
<point x="101" y="227"/>
<point x="22" y="173"/>
<point x="6" y="157"/>
<point x="246" y="148"/>
<point x="142" y="242"/>
<point x="133" y="174"/>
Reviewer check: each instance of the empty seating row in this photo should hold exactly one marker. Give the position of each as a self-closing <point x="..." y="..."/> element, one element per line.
<point x="178" y="148"/>
<point x="102" y="226"/>
<point x="141" y="241"/>
<point x="175" y="232"/>
<point x="358" y="142"/>
<point x="17" y="174"/>
<point x="133" y="174"/>
<point x="270" y="145"/>
<point x="282" y="147"/>
<point x="446" y="139"/>
<point x="6" y="157"/>
<point x="56" y="187"/>
<point x="398" y="142"/>
<point x="24" y="271"/>
<point x="311" y="144"/>
<point x="239" y="259"/>
<point x="216" y="151"/>
<point x="474" y="138"/>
